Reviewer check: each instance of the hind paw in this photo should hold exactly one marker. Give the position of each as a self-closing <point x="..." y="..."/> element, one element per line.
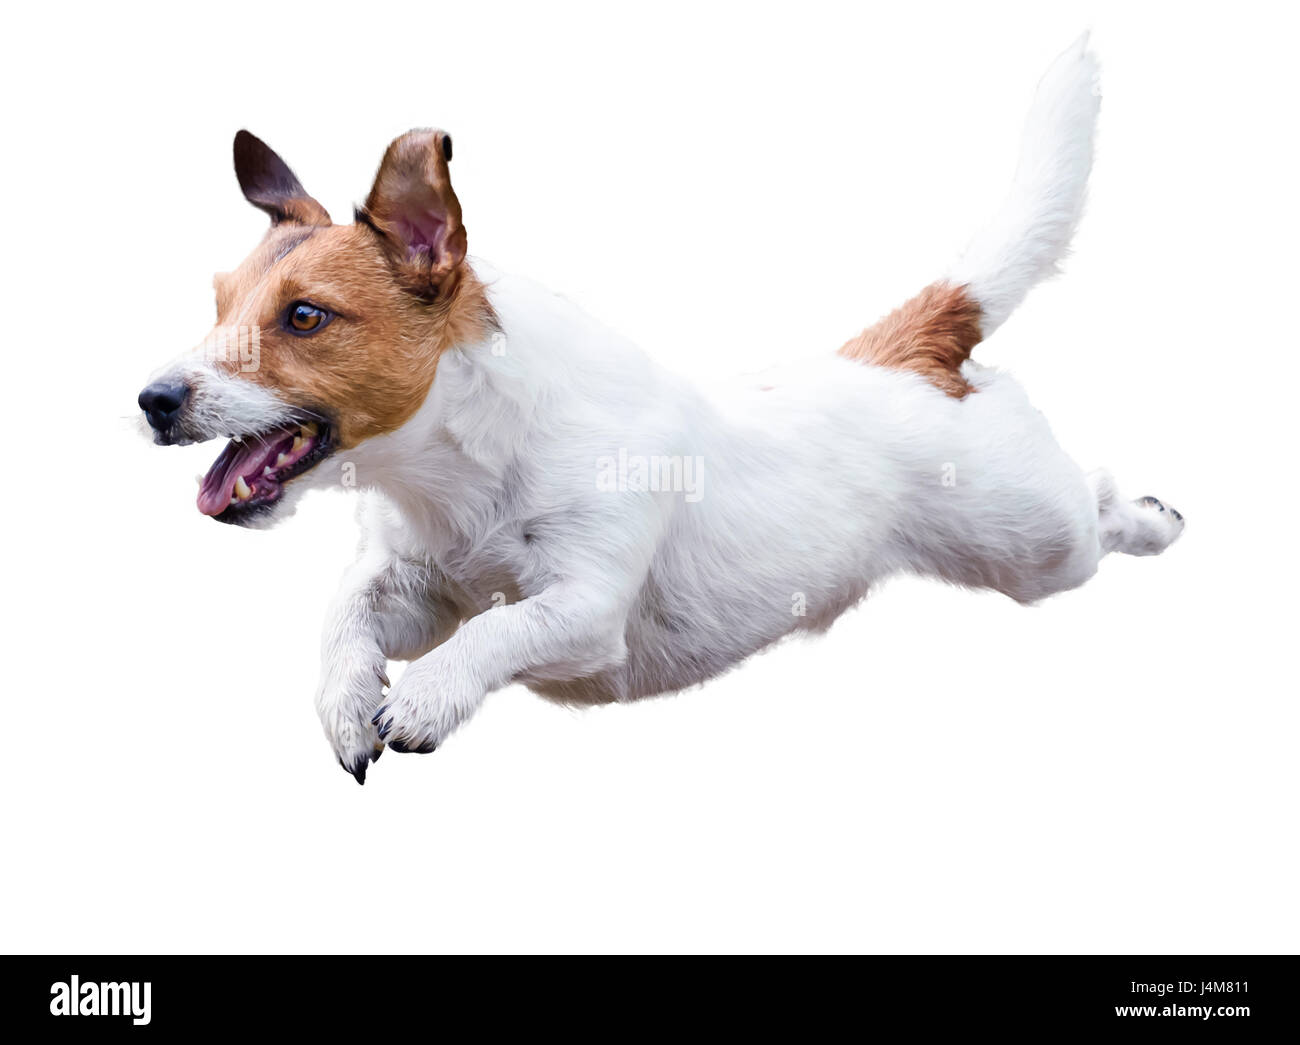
<point x="1151" y="502"/>
<point x="1146" y="526"/>
<point x="1160" y="506"/>
<point x="1161" y="525"/>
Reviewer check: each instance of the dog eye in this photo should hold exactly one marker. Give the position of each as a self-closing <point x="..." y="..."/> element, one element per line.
<point x="306" y="319"/>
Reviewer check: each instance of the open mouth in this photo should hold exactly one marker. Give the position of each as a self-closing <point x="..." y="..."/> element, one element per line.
<point x="250" y="473"/>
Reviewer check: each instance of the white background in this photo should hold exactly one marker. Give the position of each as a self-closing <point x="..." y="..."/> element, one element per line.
<point x="1114" y="770"/>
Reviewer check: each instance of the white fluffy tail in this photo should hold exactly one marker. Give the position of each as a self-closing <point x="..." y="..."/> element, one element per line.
<point x="1032" y="231"/>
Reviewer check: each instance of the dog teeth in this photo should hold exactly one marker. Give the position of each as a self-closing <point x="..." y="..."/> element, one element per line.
<point x="199" y="478"/>
<point x="298" y="444"/>
<point x="241" y="489"/>
<point x="311" y="428"/>
<point x="281" y="460"/>
<point x="268" y="472"/>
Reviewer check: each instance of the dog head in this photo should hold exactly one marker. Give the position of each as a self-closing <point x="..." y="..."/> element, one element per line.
<point x="327" y="335"/>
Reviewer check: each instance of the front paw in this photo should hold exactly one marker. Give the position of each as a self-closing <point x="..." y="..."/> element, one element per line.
<point x="356" y="748"/>
<point x="346" y="700"/>
<point x="425" y="706"/>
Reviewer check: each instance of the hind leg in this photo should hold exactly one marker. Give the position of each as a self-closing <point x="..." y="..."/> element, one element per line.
<point x="1141" y="527"/>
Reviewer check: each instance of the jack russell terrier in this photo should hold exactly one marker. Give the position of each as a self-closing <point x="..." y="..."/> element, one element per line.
<point x="540" y="503"/>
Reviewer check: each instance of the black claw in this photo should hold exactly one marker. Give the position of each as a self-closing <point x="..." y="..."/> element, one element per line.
<point x="385" y="728"/>
<point x="427" y="748"/>
<point x="359" y="770"/>
<point x="1176" y="514"/>
<point x="374" y="721"/>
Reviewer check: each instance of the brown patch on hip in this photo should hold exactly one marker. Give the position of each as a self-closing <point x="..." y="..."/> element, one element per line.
<point x="932" y="334"/>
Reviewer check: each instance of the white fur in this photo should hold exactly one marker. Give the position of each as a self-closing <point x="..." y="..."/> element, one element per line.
<point x="219" y="404"/>
<point x="1030" y="234"/>
<point x="492" y="553"/>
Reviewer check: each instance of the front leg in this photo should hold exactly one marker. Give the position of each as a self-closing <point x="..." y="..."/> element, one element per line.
<point x="387" y="607"/>
<point x="567" y="631"/>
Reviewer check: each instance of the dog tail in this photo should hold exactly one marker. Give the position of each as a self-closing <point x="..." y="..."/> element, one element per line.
<point x="1031" y="233"/>
<point x="935" y="332"/>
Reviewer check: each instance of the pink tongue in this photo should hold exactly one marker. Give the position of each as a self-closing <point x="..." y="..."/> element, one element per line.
<point x="247" y="459"/>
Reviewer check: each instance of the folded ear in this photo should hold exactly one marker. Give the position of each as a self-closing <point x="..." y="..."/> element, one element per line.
<point x="268" y="183"/>
<point x="414" y="209"/>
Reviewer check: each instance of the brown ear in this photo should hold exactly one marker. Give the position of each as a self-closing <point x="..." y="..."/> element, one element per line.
<point x="414" y="209"/>
<point x="268" y="183"/>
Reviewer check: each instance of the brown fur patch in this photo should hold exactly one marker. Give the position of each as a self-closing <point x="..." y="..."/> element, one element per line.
<point x="370" y="367"/>
<point x="932" y="334"/>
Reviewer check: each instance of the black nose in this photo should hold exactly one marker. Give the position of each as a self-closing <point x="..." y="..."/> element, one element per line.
<point x="160" y="402"/>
